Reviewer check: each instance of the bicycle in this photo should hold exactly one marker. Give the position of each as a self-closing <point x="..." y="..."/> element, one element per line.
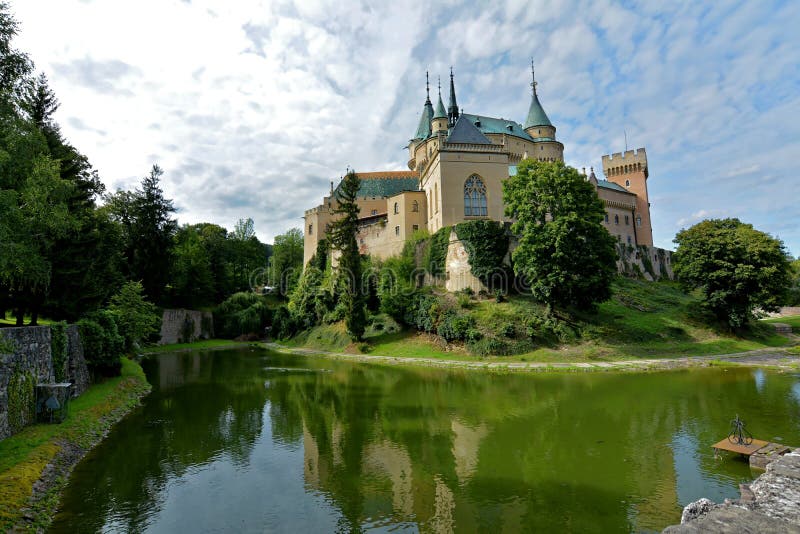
<point x="739" y="435"/>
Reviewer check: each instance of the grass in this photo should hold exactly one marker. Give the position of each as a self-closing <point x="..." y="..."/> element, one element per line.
<point x="9" y="320"/>
<point x="24" y="456"/>
<point x="793" y="321"/>
<point x="196" y="345"/>
<point x="642" y="320"/>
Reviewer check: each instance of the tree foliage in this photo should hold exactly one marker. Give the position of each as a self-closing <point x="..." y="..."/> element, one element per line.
<point x="136" y="318"/>
<point x="564" y="252"/>
<point x="738" y="268"/>
<point x="342" y="235"/>
<point x="486" y="243"/>
<point x="286" y="262"/>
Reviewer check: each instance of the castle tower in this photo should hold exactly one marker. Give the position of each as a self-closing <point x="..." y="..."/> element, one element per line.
<point x="630" y="171"/>
<point x="538" y="126"/>
<point x="424" y="127"/>
<point x="440" y="118"/>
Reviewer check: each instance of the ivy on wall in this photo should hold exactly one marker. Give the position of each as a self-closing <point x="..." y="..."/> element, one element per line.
<point x="21" y="400"/>
<point x="644" y="253"/>
<point x="486" y="243"/>
<point x="436" y="254"/>
<point x="58" y="350"/>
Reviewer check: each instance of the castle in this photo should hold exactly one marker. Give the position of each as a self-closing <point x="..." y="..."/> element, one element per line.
<point x="458" y="162"/>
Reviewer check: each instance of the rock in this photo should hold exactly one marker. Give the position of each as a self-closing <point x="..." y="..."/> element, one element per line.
<point x="696" y="509"/>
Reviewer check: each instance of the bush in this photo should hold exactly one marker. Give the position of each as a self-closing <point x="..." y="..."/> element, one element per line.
<point x="547" y="329"/>
<point x="436" y="254"/>
<point x="102" y="344"/>
<point x="489" y="346"/>
<point x="283" y="324"/>
<point x="464" y="300"/>
<point x="136" y="318"/>
<point x="454" y="327"/>
<point x="242" y="313"/>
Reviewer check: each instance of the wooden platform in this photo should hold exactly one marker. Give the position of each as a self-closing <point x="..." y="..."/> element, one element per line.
<point x="747" y="450"/>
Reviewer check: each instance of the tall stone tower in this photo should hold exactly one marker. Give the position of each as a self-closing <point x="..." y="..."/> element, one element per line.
<point x="630" y="171"/>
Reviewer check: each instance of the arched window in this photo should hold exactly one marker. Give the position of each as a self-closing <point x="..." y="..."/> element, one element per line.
<point x="627" y="183"/>
<point x="396" y="208"/>
<point x="475" y="197"/>
<point x="415" y="206"/>
<point x="616" y="219"/>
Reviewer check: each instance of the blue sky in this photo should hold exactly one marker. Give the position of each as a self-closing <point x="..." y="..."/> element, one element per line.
<point x="253" y="107"/>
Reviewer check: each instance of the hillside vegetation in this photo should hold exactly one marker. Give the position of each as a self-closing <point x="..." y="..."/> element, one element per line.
<point x="642" y="320"/>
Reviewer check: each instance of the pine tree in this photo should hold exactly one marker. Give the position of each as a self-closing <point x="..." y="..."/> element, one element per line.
<point x="342" y="235"/>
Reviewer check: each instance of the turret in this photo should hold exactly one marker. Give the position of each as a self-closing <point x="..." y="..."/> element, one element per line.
<point x="440" y="118"/>
<point x="424" y="127"/>
<point x="537" y="124"/>
<point x="452" y="109"/>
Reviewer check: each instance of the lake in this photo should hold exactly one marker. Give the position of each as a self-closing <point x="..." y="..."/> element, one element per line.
<point x="249" y="440"/>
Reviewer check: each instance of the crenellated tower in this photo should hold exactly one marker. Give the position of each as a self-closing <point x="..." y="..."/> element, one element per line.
<point x="630" y="170"/>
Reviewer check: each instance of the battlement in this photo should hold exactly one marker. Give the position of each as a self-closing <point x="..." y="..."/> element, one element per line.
<point x="622" y="163"/>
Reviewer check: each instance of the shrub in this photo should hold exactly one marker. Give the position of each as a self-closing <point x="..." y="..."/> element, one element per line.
<point x="242" y="313"/>
<point x="283" y="324"/>
<point x="508" y="330"/>
<point x="436" y="254"/>
<point x="473" y="335"/>
<point x="454" y="327"/>
<point x="464" y="300"/>
<point x="547" y="329"/>
<point x="136" y="318"/>
<point x="489" y="346"/>
<point x="102" y="344"/>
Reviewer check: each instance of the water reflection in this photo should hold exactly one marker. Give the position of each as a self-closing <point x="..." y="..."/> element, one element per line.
<point x="249" y="441"/>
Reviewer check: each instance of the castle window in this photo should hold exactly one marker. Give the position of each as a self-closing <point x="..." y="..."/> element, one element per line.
<point x="606" y="217"/>
<point x="374" y="212"/>
<point x="475" y="197"/>
<point x="627" y="221"/>
<point x="396" y="230"/>
<point x="627" y="183"/>
<point x="396" y="208"/>
<point x="415" y="227"/>
<point x="616" y="219"/>
<point x="415" y="206"/>
<point x="310" y="229"/>
<point x="436" y="197"/>
<point x="638" y="221"/>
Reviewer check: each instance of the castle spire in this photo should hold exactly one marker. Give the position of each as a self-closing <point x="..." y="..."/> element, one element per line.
<point x="440" y="113"/>
<point x="424" y="127"/>
<point x="452" y="109"/>
<point x="536" y="114"/>
<point x="427" y="89"/>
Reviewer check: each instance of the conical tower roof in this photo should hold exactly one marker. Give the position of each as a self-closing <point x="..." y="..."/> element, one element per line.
<point x="424" y="128"/>
<point x="536" y="114"/>
<point x="440" y="111"/>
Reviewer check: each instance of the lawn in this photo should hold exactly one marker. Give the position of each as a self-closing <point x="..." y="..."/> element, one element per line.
<point x="9" y="320"/>
<point x="196" y="345"/>
<point x="792" y="320"/>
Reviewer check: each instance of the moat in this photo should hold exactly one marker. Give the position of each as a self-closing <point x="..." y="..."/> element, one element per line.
<point x="249" y="440"/>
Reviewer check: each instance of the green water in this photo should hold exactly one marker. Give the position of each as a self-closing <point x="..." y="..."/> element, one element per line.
<point x="252" y="441"/>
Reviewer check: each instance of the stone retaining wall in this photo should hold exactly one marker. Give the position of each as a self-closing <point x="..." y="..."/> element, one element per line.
<point x="185" y="326"/>
<point x="28" y="362"/>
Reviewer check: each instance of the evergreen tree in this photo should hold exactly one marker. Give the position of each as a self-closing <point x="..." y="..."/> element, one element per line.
<point x="564" y="252"/>
<point x="342" y="236"/>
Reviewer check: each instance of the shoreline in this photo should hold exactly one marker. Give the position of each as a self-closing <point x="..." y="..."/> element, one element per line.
<point x="51" y="462"/>
<point x="779" y="359"/>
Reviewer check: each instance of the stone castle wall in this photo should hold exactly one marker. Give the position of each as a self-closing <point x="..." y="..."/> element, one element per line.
<point x="25" y="360"/>
<point x="185" y="326"/>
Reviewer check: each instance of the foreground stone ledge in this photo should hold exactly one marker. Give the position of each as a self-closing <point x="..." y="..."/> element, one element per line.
<point x="771" y="504"/>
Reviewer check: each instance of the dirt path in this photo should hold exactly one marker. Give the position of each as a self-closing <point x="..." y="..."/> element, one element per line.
<point x="770" y="357"/>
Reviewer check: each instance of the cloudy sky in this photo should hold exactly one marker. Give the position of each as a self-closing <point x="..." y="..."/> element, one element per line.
<point x="252" y="107"/>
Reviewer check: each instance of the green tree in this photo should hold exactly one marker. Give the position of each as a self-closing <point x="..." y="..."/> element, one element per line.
<point x="738" y="268"/>
<point x="14" y="65"/>
<point x="564" y="252"/>
<point x="191" y="282"/>
<point x="342" y="236"/>
<point x="248" y="256"/>
<point x="136" y="318"/>
<point x="793" y="298"/>
<point x="286" y="262"/>
<point x="148" y="228"/>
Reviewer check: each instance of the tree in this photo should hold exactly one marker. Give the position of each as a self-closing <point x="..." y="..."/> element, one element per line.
<point x="286" y="262"/>
<point x="191" y="281"/>
<point x="738" y="268"/>
<point x="145" y="216"/>
<point x="793" y="298"/>
<point x="136" y="318"/>
<point x="342" y="236"/>
<point x="247" y="254"/>
<point x="14" y="65"/>
<point x="564" y="252"/>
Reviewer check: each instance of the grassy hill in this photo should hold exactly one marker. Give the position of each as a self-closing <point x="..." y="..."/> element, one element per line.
<point x="642" y="320"/>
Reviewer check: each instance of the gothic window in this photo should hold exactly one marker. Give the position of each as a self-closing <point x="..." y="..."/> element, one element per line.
<point x="436" y="197"/>
<point x="396" y="230"/>
<point x="396" y="208"/>
<point x="475" y="197"/>
<point x="310" y="229"/>
<point x="638" y="221"/>
<point x="627" y="183"/>
<point x="606" y="217"/>
<point x="415" y="206"/>
<point x="627" y="221"/>
<point x="616" y="219"/>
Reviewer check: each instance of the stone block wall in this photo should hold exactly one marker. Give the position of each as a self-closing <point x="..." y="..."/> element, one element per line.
<point x="185" y="326"/>
<point x="25" y="360"/>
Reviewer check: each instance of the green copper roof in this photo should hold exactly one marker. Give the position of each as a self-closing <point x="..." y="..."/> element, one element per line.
<point x="384" y="187"/>
<point x="605" y="184"/>
<point x="536" y="114"/>
<point x="424" y="128"/>
<point x="440" y="112"/>
<point x="490" y="125"/>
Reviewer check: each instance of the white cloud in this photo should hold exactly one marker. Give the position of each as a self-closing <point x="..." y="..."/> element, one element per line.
<point x="252" y="107"/>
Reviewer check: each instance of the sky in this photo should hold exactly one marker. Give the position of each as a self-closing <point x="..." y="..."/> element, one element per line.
<point x="253" y="107"/>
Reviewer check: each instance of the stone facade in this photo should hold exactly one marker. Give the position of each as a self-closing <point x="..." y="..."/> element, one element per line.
<point x="185" y="326"/>
<point x="29" y="362"/>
